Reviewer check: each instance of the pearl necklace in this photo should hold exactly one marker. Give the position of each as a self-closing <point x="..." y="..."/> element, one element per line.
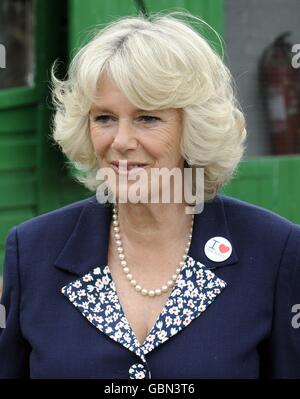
<point x="129" y="276"/>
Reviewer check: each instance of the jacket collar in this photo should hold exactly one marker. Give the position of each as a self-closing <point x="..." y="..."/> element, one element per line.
<point x="87" y="246"/>
<point x="96" y="298"/>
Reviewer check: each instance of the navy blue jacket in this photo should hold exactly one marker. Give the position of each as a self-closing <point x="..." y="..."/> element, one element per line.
<point x="229" y="319"/>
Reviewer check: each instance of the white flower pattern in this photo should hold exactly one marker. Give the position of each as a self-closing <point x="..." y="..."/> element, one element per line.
<point x="137" y="371"/>
<point x="195" y="289"/>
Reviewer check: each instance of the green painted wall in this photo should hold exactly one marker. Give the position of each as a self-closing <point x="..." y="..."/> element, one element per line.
<point x="31" y="169"/>
<point x="271" y="182"/>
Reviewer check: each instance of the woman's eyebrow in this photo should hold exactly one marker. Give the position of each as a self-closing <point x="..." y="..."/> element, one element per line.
<point x="106" y="109"/>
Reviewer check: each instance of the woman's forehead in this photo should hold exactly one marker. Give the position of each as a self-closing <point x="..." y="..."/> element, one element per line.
<point x="110" y="98"/>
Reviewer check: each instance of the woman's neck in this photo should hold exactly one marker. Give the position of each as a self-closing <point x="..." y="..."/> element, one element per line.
<point x="153" y="224"/>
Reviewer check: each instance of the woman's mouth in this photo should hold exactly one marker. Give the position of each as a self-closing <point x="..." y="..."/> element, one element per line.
<point x="127" y="168"/>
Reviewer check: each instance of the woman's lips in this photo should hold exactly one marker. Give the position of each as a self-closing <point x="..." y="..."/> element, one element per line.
<point x="124" y="171"/>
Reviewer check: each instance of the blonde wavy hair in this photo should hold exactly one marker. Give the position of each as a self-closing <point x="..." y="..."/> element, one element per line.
<point x="160" y="61"/>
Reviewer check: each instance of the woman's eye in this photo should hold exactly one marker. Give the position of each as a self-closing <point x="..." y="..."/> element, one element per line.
<point x="146" y="118"/>
<point x="149" y="118"/>
<point x="102" y="118"/>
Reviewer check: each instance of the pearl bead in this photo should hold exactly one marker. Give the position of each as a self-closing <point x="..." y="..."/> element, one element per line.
<point x="119" y="243"/>
<point x="126" y="270"/>
<point x="123" y="263"/>
<point x="115" y="223"/>
<point x="138" y="288"/>
<point x="151" y="293"/>
<point x="144" y="292"/>
<point x="170" y="283"/>
<point x="158" y="292"/>
<point x="164" y="288"/>
<point x="121" y="256"/>
<point x="115" y="217"/>
<point x="129" y="276"/>
<point x="117" y="236"/>
<point x="181" y="263"/>
<point x="116" y="229"/>
<point x="120" y="249"/>
<point x="178" y="270"/>
<point x="174" y="277"/>
<point x="133" y="282"/>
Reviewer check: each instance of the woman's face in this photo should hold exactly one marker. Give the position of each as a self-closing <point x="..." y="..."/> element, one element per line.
<point x="119" y="131"/>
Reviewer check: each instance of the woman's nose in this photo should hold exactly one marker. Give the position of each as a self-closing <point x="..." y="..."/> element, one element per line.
<point x="124" y="137"/>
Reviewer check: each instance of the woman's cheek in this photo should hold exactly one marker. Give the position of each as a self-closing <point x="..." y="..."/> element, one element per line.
<point x="102" y="147"/>
<point x="101" y="142"/>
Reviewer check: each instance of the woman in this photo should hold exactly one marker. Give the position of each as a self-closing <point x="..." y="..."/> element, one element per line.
<point x="151" y="289"/>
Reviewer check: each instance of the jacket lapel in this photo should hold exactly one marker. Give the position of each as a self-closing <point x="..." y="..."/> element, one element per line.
<point x="87" y="246"/>
<point x="94" y="292"/>
<point x="196" y="288"/>
<point x="95" y="296"/>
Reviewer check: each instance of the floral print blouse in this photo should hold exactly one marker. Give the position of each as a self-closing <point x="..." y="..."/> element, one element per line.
<point x="95" y="296"/>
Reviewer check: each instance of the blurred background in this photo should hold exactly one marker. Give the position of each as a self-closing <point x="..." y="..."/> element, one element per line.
<point x="259" y="42"/>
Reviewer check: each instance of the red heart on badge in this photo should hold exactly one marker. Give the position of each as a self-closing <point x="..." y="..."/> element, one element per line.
<point x="223" y="248"/>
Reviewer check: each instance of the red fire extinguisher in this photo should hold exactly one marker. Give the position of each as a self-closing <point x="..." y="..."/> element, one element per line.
<point x="278" y="80"/>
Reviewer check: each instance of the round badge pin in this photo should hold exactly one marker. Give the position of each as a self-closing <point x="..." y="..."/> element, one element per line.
<point x="218" y="249"/>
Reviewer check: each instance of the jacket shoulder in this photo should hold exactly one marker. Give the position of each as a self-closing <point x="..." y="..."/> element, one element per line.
<point x="265" y="230"/>
<point x="253" y="215"/>
<point x="55" y="219"/>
